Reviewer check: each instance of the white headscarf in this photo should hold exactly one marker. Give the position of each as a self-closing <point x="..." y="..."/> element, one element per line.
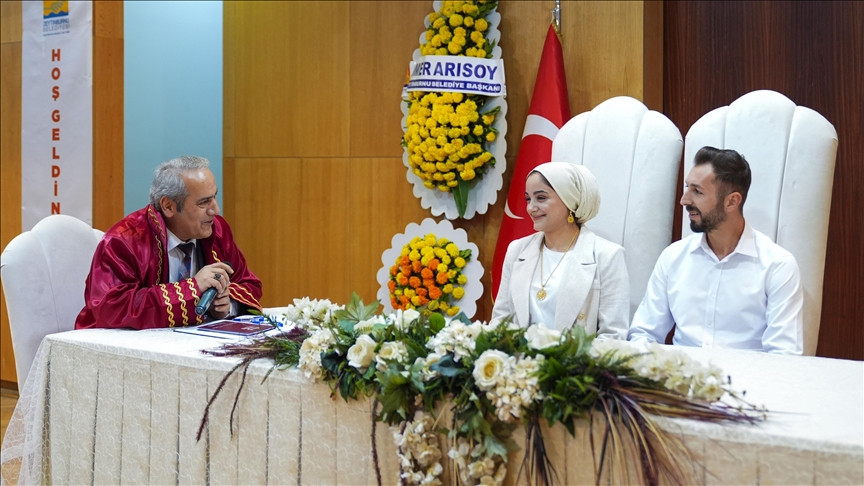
<point x="575" y="185"/>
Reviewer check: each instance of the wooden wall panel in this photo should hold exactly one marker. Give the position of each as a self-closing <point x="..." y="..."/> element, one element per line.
<point x="107" y="113"/>
<point x="10" y="157"/>
<point x="290" y="78"/>
<point x="604" y="45"/>
<point x="313" y="240"/>
<point x="813" y="53"/>
<point x="264" y="219"/>
<point x="388" y="197"/>
<point x="376" y="78"/>
<point x="313" y="178"/>
<point x="107" y="133"/>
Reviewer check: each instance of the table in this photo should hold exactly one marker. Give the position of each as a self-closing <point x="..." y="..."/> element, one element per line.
<point x="114" y="406"/>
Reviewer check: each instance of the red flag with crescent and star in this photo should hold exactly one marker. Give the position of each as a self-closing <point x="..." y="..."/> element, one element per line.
<point x="549" y="110"/>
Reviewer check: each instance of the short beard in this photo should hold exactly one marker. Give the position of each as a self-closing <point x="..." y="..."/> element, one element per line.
<point x="710" y="221"/>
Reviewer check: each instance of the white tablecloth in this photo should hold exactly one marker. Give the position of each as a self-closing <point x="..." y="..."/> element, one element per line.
<point x="113" y="406"/>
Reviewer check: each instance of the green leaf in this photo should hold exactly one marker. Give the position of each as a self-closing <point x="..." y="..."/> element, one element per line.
<point x="493" y="111"/>
<point x="347" y="326"/>
<point x="448" y="367"/>
<point x="460" y="195"/>
<point x="369" y="372"/>
<point x="397" y="392"/>
<point x="347" y="387"/>
<point x="436" y="322"/>
<point x="355" y="311"/>
<point x="494" y="446"/>
<point x="331" y="361"/>
<point x="461" y="317"/>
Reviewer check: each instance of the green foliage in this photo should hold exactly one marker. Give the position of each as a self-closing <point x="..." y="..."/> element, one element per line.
<point x="460" y="196"/>
<point x="503" y="338"/>
<point x="287" y="351"/>
<point x="436" y="321"/>
<point x="354" y="312"/>
<point x="574" y="381"/>
<point x="396" y="395"/>
<point x="485" y="8"/>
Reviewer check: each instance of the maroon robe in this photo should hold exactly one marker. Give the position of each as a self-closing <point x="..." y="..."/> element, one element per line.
<point x="128" y="282"/>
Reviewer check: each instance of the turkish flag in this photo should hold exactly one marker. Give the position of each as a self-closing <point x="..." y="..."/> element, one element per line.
<point x="549" y="110"/>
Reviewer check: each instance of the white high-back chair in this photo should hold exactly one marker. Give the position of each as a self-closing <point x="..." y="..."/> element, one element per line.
<point x="44" y="272"/>
<point x="635" y="154"/>
<point x="791" y="151"/>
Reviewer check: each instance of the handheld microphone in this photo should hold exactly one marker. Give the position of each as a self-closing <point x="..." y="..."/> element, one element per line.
<point x="207" y="298"/>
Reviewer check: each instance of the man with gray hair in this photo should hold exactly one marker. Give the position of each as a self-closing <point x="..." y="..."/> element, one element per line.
<point x="152" y="268"/>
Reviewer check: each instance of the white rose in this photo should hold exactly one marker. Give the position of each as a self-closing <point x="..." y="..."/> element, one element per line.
<point x="360" y="355"/>
<point x="366" y="326"/>
<point x="428" y="374"/>
<point x="391" y="351"/>
<point x="403" y="318"/>
<point x="541" y="337"/>
<point x="488" y="368"/>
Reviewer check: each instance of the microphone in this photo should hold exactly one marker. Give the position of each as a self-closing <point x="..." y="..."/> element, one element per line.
<point x="207" y="298"/>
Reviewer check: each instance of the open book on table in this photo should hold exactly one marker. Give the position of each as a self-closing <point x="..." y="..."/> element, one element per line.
<point x="230" y="328"/>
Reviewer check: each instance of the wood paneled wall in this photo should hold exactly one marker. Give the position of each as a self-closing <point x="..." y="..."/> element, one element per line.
<point x="314" y="186"/>
<point x="10" y="157"/>
<point x="107" y="133"/>
<point x="313" y="177"/>
<point x="812" y="52"/>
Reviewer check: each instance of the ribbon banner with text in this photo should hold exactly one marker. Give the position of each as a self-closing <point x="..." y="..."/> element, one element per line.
<point x="461" y="74"/>
<point x="57" y="111"/>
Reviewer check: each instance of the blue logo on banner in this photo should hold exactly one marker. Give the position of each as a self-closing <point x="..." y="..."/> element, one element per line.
<point x="55" y="17"/>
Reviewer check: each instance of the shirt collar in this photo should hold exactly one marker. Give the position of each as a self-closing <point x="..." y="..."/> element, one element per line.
<point x="174" y="241"/>
<point x="746" y="243"/>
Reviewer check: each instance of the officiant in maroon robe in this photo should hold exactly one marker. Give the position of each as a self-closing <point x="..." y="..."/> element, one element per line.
<point x="152" y="267"/>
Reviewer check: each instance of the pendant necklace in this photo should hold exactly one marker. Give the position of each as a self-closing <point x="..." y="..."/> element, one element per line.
<point x="541" y="294"/>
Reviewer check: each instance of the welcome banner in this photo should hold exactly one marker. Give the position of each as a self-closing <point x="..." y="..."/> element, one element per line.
<point x="57" y="111"/>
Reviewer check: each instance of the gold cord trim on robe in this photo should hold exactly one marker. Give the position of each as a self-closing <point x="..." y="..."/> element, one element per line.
<point x="157" y="236"/>
<point x="185" y="312"/>
<point x="168" y="306"/>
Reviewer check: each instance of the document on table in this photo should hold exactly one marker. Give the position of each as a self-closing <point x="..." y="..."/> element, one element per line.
<point x="240" y="326"/>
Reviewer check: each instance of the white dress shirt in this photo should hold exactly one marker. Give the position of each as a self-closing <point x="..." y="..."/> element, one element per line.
<point x="752" y="299"/>
<point x="175" y="264"/>
<point x="175" y="257"/>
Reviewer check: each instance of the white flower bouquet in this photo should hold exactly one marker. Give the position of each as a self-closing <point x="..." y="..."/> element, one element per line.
<point x="494" y="377"/>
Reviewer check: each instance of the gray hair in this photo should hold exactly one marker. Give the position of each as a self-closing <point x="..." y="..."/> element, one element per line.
<point x="168" y="179"/>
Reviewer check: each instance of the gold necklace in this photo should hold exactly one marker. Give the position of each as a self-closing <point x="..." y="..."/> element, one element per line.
<point x="541" y="294"/>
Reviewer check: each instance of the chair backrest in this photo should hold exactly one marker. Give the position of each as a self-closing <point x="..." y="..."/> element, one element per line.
<point x="43" y="272"/>
<point x="791" y="150"/>
<point x="635" y="153"/>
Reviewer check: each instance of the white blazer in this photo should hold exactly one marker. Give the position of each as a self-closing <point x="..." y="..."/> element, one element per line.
<point x="595" y="292"/>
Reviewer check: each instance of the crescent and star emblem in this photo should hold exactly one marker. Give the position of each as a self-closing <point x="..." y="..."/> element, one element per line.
<point x="534" y="125"/>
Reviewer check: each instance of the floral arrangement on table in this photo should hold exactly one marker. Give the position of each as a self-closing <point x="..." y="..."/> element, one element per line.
<point x="473" y="383"/>
<point x="428" y="274"/>
<point x="448" y="136"/>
